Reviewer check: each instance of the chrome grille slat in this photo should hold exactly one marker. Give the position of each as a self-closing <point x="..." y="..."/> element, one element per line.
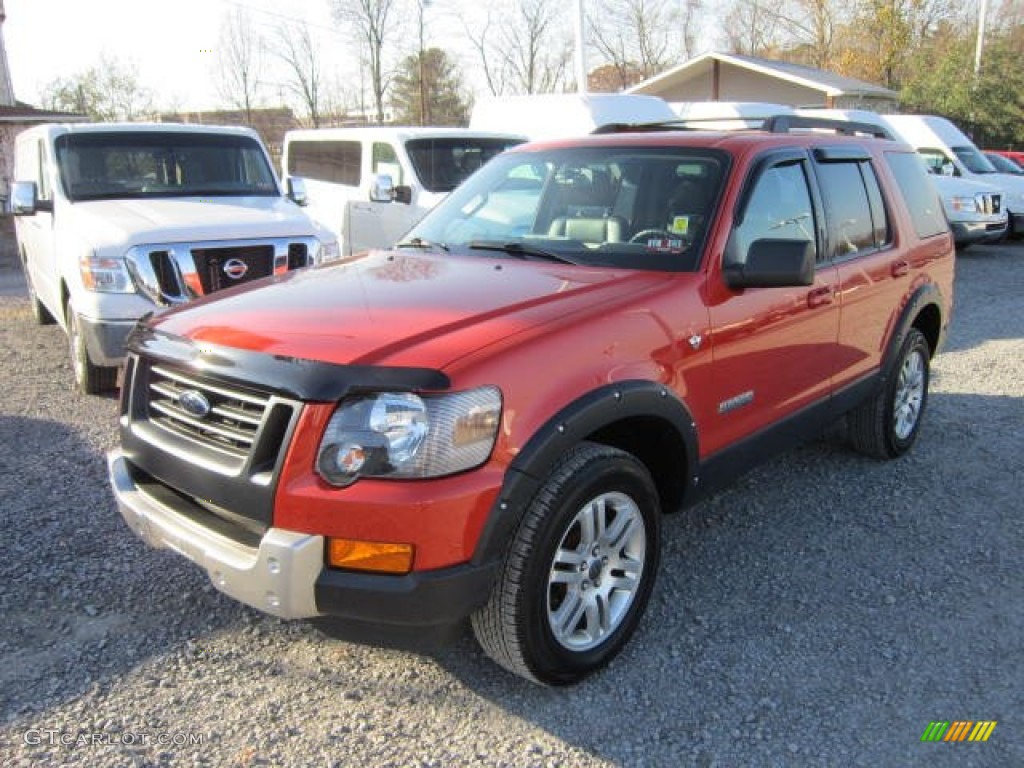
<point x="230" y="426"/>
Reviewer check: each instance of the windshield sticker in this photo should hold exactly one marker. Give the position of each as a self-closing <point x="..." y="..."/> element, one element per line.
<point x="680" y="225"/>
<point x="665" y="244"/>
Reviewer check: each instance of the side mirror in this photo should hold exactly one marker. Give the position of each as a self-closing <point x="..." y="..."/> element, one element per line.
<point x="773" y="264"/>
<point x="948" y="169"/>
<point x="24" y="198"/>
<point x="297" y="190"/>
<point x="383" y="189"/>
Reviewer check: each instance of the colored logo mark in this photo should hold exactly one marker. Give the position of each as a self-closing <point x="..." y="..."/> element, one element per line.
<point x="958" y="730"/>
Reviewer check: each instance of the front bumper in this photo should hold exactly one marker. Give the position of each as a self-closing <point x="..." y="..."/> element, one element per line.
<point x="971" y="232"/>
<point x="284" y="575"/>
<point x="105" y="339"/>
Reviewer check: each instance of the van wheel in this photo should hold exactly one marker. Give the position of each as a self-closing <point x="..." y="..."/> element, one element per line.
<point x="887" y="425"/>
<point x="578" y="573"/>
<point x="40" y="313"/>
<point x="90" y="379"/>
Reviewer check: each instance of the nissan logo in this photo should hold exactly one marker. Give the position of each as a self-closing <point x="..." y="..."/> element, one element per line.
<point x="235" y="268"/>
<point x="194" y="403"/>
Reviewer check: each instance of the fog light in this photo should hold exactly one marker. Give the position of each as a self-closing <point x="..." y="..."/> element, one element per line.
<point x="377" y="556"/>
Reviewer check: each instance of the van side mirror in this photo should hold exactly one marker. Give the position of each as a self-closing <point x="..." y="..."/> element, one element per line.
<point x="383" y="189"/>
<point x="297" y="190"/>
<point x="403" y="194"/>
<point x="25" y="199"/>
<point x="773" y="264"/>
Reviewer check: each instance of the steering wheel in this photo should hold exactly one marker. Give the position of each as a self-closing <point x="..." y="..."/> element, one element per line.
<point x="647" y="234"/>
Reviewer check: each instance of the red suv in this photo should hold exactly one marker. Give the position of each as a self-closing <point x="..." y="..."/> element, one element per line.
<point x="489" y="420"/>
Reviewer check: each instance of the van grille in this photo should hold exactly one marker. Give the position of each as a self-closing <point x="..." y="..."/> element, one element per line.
<point x="220" y="268"/>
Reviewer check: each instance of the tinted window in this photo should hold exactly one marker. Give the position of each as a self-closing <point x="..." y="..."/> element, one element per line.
<point x="335" y="161"/>
<point x="856" y="222"/>
<point x="443" y="163"/>
<point x="126" y="165"/>
<point x="973" y="159"/>
<point x="779" y="208"/>
<point x="918" y="192"/>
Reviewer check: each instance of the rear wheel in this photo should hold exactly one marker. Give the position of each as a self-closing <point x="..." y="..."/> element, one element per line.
<point x="579" y="571"/>
<point x="887" y="425"/>
<point x="90" y="379"/>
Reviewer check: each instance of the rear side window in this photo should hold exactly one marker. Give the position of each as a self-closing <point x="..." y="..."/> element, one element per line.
<point x="334" y="161"/>
<point x="919" y="193"/>
<point x="856" y="214"/>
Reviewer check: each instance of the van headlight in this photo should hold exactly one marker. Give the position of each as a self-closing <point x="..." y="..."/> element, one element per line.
<point x="404" y="435"/>
<point x="104" y="274"/>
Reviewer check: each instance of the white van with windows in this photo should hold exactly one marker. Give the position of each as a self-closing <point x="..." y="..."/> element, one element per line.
<point x="370" y="185"/>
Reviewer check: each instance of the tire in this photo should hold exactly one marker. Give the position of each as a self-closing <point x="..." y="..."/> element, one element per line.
<point x="90" y="379"/>
<point x="579" y="570"/>
<point x="40" y="313"/>
<point x="887" y="425"/>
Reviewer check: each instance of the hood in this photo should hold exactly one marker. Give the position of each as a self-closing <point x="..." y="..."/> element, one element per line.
<point x="124" y="223"/>
<point x="399" y="309"/>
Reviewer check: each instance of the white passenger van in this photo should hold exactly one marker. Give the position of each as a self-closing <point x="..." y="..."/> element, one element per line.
<point x="949" y="152"/>
<point x="370" y="185"/>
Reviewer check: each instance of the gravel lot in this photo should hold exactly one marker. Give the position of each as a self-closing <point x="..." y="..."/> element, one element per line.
<point x="822" y="611"/>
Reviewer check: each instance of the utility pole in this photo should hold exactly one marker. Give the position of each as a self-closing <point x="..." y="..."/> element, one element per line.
<point x="424" y="118"/>
<point x="581" y="53"/>
<point x="982" y="12"/>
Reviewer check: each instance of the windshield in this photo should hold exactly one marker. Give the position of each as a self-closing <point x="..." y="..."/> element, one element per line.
<point x="1004" y="164"/>
<point x="443" y="163"/>
<point x="637" y="208"/>
<point x="122" y="165"/>
<point x="973" y="160"/>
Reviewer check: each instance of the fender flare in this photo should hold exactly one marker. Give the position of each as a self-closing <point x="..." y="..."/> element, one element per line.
<point x="926" y="295"/>
<point x="578" y="421"/>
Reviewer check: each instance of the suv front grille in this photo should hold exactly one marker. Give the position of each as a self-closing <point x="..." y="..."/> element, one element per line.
<point x="232" y="419"/>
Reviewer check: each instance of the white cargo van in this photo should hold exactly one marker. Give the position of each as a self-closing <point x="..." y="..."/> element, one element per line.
<point x="975" y="208"/>
<point x="370" y="185"/>
<point x="562" y="115"/>
<point x="115" y="221"/>
<point x="948" y="152"/>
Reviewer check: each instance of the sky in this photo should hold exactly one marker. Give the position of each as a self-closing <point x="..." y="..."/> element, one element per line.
<point x="169" y="44"/>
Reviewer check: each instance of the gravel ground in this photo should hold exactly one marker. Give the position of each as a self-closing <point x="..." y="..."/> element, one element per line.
<point x="822" y="611"/>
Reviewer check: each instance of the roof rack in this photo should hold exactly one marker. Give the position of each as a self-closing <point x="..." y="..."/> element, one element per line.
<point x="768" y="123"/>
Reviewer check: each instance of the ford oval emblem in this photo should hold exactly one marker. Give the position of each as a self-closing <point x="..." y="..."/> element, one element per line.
<point x="194" y="403"/>
<point x="235" y="268"/>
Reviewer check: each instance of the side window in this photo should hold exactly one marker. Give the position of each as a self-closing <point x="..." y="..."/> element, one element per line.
<point x="779" y="208"/>
<point x="852" y="227"/>
<point x="918" y="192"/>
<point x="334" y="161"/>
<point x="385" y="161"/>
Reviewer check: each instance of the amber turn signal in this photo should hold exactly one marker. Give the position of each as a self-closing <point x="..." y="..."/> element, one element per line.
<point x="376" y="556"/>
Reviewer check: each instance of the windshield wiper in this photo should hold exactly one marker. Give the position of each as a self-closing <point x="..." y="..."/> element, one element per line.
<point x="521" y="250"/>
<point x="419" y="242"/>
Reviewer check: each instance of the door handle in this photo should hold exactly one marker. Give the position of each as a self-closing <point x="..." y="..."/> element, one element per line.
<point x="900" y="267"/>
<point x="820" y="296"/>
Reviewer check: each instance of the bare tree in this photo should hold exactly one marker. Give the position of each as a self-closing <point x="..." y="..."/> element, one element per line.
<point x="526" y="50"/>
<point x="643" y="37"/>
<point x="371" y="22"/>
<point x="240" y="58"/>
<point x="294" y="47"/>
<point x="756" y="27"/>
<point x="105" y="91"/>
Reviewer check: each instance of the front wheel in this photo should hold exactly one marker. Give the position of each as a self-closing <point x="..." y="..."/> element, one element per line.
<point x="91" y="379"/>
<point x="579" y="571"/>
<point x="886" y="426"/>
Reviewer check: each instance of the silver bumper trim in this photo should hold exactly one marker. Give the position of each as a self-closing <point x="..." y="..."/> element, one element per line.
<point x="278" y="578"/>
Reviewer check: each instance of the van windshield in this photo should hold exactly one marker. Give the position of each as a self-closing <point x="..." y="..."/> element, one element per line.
<point x="441" y="164"/>
<point x="973" y="160"/>
<point x="125" y="165"/>
<point x="631" y="207"/>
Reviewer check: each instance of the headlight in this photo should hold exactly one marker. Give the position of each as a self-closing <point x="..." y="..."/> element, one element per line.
<point x="104" y="274"/>
<point x="403" y="435"/>
<point x="962" y="204"/>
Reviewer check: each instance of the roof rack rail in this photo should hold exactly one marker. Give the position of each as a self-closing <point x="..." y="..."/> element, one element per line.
<point x="769" y="123"/>
<point x="786" y="123"/>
